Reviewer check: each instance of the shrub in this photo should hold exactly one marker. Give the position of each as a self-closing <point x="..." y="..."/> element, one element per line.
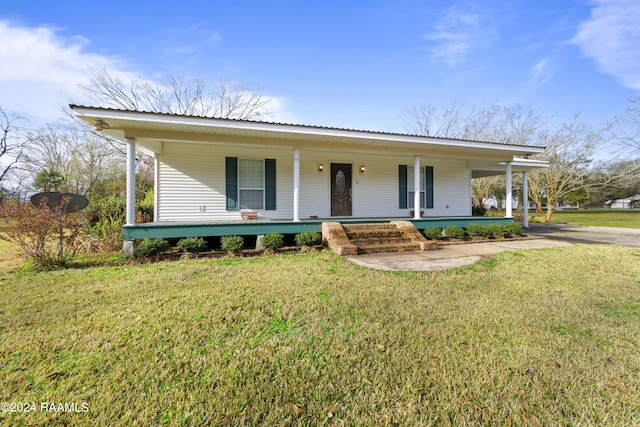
<point x="513" y="228"/>
<point x="106" y="218"/>
<point x="107" y="232"/>
<point x="432" y="233"/>
<point x="496" y="230"/>
<point x="454" y="232"/>
<point x="46" y="234"/>
<point x="151" y="247"/>
<point x="192" y="244"/>
<point x="477" y="230"/>
<point x="478" y="210"/>
<point x="232" y="243"/>
<point x="273" y="241"/>
<point x="144" y="207"/>
<point x="308" y="238"/>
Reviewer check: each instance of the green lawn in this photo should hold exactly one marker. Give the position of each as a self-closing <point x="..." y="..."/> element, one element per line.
<point x="629" y="218"/>
<point x="538" y="337"/>
<point x="599" y="217"/>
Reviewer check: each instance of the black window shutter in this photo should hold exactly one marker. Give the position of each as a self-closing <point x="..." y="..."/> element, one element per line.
<point x="232" y="183"/>
<point x="429" y="186"/>
<point x="270" y="184"/>
<point x="402" y="186"/>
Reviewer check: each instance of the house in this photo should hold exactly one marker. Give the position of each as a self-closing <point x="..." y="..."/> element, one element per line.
<point x="211" y="174"/>
<point x="630" y="202"/>
<point x="493" y="203"/>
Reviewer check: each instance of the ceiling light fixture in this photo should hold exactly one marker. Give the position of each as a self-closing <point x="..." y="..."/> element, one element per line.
<point x="100" y="125"/>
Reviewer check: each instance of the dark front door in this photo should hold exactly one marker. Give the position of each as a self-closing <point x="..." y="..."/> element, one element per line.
<point x="340" y="189"/>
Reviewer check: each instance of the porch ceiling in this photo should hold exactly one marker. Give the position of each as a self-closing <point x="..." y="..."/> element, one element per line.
<point x="151" y="128"/>
<point x="481" y="169"/>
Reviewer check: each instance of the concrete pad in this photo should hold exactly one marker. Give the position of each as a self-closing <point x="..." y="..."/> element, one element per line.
<point x="531" y="244"/>
<point x="395" y="263"/>
<point x="448" y="256"/>
<point x="474" y="249"/>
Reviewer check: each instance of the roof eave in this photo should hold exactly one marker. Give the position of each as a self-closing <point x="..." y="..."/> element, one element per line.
<point x="92" y="114"/>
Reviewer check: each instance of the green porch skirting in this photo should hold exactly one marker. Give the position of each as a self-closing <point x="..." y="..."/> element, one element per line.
<point x="177" y="230"/>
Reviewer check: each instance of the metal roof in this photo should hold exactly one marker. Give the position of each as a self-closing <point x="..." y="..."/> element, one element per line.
<point x="303" y="126"/>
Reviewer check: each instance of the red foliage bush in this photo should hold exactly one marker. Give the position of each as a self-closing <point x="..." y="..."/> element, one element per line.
<point x="46" y="234"/>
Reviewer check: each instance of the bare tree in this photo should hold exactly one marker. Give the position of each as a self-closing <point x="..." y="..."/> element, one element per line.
<point x="177" y="95"/>
<point x="613" y="179"/>
<point x="499" y="123"/>
<point x="430" y="120"/>
<point x="625" y="128"/>
<point x="570" y="146"/>
<point x="79" y="156"/>
<point x="12" y="144"/>
<point x="569" y="151"/>
<point x="482" y="189"/>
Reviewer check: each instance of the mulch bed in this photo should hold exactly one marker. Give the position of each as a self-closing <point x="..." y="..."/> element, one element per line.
<point x="478" y="239"/>
<point x="175" y="254"/>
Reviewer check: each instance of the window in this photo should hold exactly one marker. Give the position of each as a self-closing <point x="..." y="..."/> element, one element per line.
<point x="251" y="183"/>
<point x="410" y="189"/>
<point x="405" y="187"/>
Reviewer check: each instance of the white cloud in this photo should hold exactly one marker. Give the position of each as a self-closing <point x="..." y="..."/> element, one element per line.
<point x="40" y="71"/>
<point x="456" y="34"/>
<point x="278" y="111"/>
<point x="611" y="37"/>
<point x="540" y="73"/>
<point x="38" y="66"/>
<point x="192" y="40"/>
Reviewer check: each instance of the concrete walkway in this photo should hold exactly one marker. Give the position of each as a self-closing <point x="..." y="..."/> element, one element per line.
<point x="448" y="256"/>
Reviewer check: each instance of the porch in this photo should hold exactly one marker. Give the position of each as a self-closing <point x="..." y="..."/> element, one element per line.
<point x="176" y="230"/>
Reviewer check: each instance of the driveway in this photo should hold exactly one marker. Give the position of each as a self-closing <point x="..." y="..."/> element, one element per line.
<point x="589" y="235"/>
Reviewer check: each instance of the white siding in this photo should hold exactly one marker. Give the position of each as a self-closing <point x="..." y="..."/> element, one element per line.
<point x="375" y="192"/>
<point x="191" y="183"/>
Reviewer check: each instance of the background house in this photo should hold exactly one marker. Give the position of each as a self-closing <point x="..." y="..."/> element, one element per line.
<point x="631" y="202"/>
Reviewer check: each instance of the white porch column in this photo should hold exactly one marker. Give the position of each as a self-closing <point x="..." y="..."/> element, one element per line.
<point x="416" y="188"/>
<point x="509" y="195"/>
<point x="296" y="184"/>
<point x="131" y="182"/>
<point x="128" y="246"/>
<point x="525" y="199"/>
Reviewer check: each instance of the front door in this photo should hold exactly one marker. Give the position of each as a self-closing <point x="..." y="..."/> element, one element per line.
<point x="340" y="189"/>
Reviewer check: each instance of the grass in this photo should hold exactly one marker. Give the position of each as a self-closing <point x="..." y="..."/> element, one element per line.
<point x="10" y="255"/>
<point x="538" y="337"/>
<point x="629" y="218"/>
<point x="599" y="217"/>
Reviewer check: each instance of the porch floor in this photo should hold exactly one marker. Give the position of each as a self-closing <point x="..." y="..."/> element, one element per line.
<point x="175" y="229"/>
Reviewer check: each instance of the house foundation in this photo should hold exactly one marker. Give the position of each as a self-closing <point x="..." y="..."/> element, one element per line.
<point x="128" y="247"/>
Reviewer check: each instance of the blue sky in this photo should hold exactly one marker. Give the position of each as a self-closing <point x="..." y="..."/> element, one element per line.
<point x="354" y="64"/>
